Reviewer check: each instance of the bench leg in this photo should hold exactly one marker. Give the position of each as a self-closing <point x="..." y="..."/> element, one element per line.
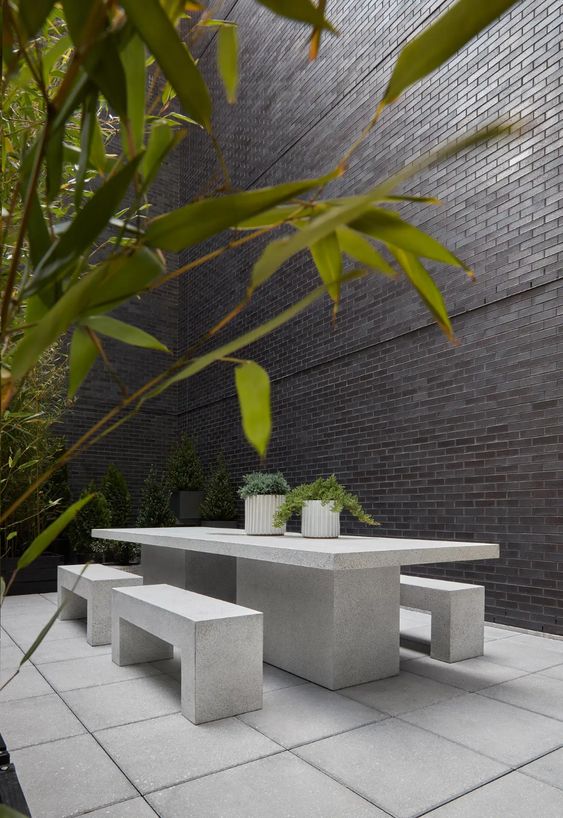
<point x="458" y="626"/>
<point x="98" y="624"/>
<point x="74" y="605"/>
<point x="131" y="645"/>
<point x="226" y="677"/>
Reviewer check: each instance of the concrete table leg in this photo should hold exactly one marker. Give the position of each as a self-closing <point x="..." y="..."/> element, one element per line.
<point x="335" y="628"/>
<point x="207" y="574"/>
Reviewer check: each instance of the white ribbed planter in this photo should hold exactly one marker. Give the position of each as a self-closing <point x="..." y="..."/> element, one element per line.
<point x="318" y="520"/>
<point x="259" y="510"/>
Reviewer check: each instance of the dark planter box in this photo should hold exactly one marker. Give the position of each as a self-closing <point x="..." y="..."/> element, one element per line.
<point x="186" y="505"/>
<point x="219" y="523"/>
<point x="38" y="578"/>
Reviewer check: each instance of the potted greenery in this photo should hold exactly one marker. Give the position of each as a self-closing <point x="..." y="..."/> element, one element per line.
<point x="115" y="490"/>
<point x="219" y="506"/>
<point x="185" y="477"/>
<point x="154" y="510"/>
<point x="320" y="504"/>
<point x="263" y="493"/>
<point x="95" y="514"/>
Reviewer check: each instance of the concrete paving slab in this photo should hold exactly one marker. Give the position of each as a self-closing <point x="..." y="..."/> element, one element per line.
<point x="60" y="649"/>
<point x="470" y="675"/>
<point x="508" y="734"/>
<point x="537" y="692"/>
<point x="135" y="808"/>
<point x="513" y="796"/>
<point x="281" y="786"/>
<point x="33" y="721"/>
<point x="275" y="679"/>
<point x="124" y="702"/>
<point x="28" y="682"/>
<point x="531" y="656"/>
<point x="400" y="768"/>
<point x="400" y="694"/>
<point x="296" y="715"/>
<point x="548" y="768"/>
<point x="58" y="782"/>
<point x="175" y="750"/>
<point x="92" y="671"/>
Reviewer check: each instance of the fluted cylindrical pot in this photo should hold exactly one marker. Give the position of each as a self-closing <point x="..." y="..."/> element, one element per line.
<point x="318" y="520"/>
<point x="259" y="510"/>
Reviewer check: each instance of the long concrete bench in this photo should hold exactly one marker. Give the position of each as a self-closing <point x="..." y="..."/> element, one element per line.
<point x="457" y="612"/>
<point x="88" y="595"/>
<point x="221" y="646"/>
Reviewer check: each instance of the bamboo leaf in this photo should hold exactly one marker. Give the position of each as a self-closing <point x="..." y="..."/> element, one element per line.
<point x="304" y="11"/>
<point x="162" y="139"/>
<point x="227" y="60"/>
<point x="200" y="220"/>
<point x="391" y="229"/>
<point x="133" y="59"/>
<point x="89" y="119"/>
<point x="176" y="62"/>
<point x="46" y="537"/>
<point x="253" y="390"/>
<point x="441" y="40"/>
<point x="327" y="258"/>
<point x="122" y="277"/>
<point x="121" y="331"/>
<point x="425" y="286"/>
<point x="359" y="248"/>
<point x="33" y="14"/>
<point x="83" y="353"/>
<point x="98" y="158"/>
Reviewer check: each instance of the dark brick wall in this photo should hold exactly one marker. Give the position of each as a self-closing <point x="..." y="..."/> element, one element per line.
<point x="439" y="442"/>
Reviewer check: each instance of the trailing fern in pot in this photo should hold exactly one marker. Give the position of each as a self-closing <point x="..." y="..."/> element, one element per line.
<point x="319" y="504"/>
<point x="263" y="494"/>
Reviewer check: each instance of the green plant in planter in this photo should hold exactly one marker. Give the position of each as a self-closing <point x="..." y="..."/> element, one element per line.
<point x="258" y="482"/>
<point x="95" y="514"/>
<point x="155" y="511"/>
<point x="327" y="490"/>
<point x="219" y="502"/>
<point x="115" y="490"/>
<point x="185" y="472"/>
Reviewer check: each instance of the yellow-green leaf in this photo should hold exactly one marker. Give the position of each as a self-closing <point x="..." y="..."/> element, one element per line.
<point x="253" y="389"/>
<point x="176" y="62"/>
<point x="359" y="248"/>
<point x="425" y="286"/>
<point x="441" y="40"/>
<point x="133" y="59"/>
<point x="121" y="331"/>
<point x="227" y="60"/>
<point x="162" y="139"/>
<point x="46" y="537"/>
<point x="327" y="258"/>
<point x="304" y="11"/>
<point x="83" y="353"/>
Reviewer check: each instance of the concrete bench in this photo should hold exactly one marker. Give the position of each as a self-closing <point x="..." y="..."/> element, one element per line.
<point x="89" y="596"/>
<point x="221" y="646"/>
<point x="457" y="611"/>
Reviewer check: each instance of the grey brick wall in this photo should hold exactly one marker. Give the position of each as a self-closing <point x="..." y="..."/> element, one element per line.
<point x="439" y="442"/>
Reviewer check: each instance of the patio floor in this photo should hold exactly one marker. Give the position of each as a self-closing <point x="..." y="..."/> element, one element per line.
<point x="482" y="737"/>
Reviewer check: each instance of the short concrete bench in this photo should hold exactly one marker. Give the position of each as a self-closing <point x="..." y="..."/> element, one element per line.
<point x="89" y="596"/>
<point x="457" y="611"/>
<point x="221" y="646"/>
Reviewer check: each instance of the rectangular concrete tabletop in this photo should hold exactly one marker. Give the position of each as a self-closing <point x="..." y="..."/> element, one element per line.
<point x="342" y="553"/>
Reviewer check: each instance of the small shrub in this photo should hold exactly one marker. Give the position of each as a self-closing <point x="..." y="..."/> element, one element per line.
<point x="185" y="472"/>
<point x="155" y="511"/>
<point x="259" y="482"/>
<point x="95" y="514"/>
<point x="219" y="502"/>
<point x="115" y="490"/>
<point x="327" y="490"/>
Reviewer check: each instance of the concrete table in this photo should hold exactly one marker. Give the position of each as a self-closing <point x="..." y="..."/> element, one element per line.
<point x="331" y="607"/>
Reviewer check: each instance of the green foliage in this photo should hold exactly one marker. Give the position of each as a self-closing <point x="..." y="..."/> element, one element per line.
<point x="114" y="488"/>
<point x="259" y="482"/>
<point x="95" y="514"/>
<point x="154" y="510"/>
<point x="253" y="390"/>
<point x="327" y="490"/>
<point x="219" y="501"/>
<point x="185" y="472"/>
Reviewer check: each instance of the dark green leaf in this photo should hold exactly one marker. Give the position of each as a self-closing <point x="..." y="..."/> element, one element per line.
<point x="177" y="64"/>
<point x="121" y="331"/>
<point x="46" y="537"/>
<point x="89" y="119"/>
<point x="200" y="220"/>
<point x="360" y="249"/>
<point x="162" y="139"/>
<point x="253" y="389"/>
<point x="227" y="60"/>
<point x="85" y="228"/>
<point x="98" y="158"/>
<point x="304" y="11"/>
<point x="327" y="258"/>
<point x="441" y="40"/>
<point x="425" y="286"/>
<point x="133" y="58"/>
<point x="122" y="277"/>
<point x="34" y="13"/>
<point x="391" y="229"/>
<point x="83" y="353"/>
